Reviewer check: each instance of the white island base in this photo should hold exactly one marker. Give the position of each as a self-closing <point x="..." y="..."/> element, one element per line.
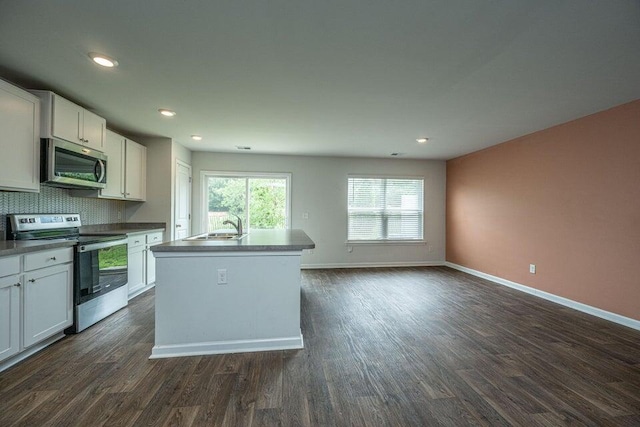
<point x="258" y="308"/>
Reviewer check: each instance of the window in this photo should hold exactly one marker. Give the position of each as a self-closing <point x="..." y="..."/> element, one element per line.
<point x="385" y="209"/>
<point x="261" y="200"/>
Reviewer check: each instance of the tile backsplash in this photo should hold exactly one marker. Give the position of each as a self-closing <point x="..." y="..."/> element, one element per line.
<point x="58" y="200"/>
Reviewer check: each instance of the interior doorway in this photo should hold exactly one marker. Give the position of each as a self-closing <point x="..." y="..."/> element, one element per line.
<point x="182" y="225"/>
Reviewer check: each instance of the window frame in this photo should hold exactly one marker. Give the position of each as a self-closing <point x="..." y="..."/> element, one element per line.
<point x="395" y="241"/>
<point x="204" y="195"/>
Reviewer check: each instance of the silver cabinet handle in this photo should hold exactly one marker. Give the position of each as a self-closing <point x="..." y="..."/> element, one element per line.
<point x="32" y="280"/>
<point x="17" y="285"/>
<point x="178" y="225"/>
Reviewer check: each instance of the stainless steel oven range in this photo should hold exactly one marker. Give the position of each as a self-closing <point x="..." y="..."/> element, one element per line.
<point x="100" y="263"/>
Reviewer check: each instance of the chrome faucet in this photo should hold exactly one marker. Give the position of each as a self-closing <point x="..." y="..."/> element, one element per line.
<point x="237" y="226"/>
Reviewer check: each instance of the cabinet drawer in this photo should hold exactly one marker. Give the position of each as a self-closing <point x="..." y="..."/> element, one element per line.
<point x="136" y="240"/>
<point x="43" y="259"/>
<point x="154" y="238"/>
<point x="7" y="281"/>
<point x="9" y="265"/>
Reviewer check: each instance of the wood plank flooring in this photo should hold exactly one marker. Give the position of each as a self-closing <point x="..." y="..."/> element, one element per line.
<point x="383" y="347"/>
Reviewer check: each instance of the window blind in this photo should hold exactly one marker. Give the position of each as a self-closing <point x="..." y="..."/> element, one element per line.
<point x="385" y="209"/>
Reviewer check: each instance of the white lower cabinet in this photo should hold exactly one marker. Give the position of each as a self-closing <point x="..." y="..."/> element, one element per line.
<point x="36" y="299"/>
<point x="48" y="305"/>
<point x="142" y="263"/>
<point x="152" y="240"/>
<point x="137" y="263"/>
<point x="9" y="316"/>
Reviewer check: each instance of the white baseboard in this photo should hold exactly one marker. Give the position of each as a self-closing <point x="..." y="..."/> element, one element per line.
<point x="594" y="311"/>
<point x="30" y="351"/>
<point x="142" y="290"/>
<point x="374" y="265"/>
<point x="223" y="347"/>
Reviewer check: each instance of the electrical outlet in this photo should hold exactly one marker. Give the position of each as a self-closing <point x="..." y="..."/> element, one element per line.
<point x="305" y="215"/>
<point x="222" y="276"/>
<point x="532" y="268"/>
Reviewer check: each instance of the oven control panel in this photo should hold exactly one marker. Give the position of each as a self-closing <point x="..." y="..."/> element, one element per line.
<point x="32" y="222"/>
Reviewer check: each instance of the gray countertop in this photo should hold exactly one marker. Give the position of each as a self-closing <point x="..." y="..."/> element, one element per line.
<point x="13" y="247"/>
<point x="258" y="240"/>
<point x="123" y="228"/>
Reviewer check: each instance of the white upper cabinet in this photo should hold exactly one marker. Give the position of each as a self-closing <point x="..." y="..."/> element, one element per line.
<point x="66" y="120"/>
<point x="114" y="149"/>
<point x="63" y="119"/>
<point x="95" y="128"/>
<point x="126" y="170"/>
<point x="135" y="175"/>
<point x="19" y="139"/>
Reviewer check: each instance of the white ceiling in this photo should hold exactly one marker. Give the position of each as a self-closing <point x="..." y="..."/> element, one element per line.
<point x="330" y="77"/>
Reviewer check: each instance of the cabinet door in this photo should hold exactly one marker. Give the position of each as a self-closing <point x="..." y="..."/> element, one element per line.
<point x="67" y="120"/>
<point x="94" y="130"/>
<point x="135" y="171"/>
<point x="9" y="316"/>
<point x="114" y="149"/>
<point x="137" y="263"/>
<point x="19" y="139"/>
<point x="152" y="240"/>
<point x="47" y="302"/>
<point x="151" y="267"/>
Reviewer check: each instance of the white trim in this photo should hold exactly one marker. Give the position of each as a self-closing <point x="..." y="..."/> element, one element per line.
<point x="374" y="265"/>
<point x="142" y="290"/>
<point x="420" y="178"/>
<point x="30" y="351"/>
<point x="179" y="162"/>
<point x="594" y="311"/>
<point x="204" y="196"/>
<point x="383" y="176"/>
<point x="407" y="242"/>
<point x="223" y="347"/>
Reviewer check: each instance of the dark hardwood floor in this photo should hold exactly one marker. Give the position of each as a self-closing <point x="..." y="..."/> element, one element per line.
<point x="383" y="347"/>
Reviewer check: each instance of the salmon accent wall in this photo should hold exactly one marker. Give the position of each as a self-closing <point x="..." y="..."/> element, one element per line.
<point x="566" y="199"/>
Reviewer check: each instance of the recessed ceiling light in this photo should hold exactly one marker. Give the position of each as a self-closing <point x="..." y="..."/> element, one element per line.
<point x="166" y="112"/>
<point x="243" y="147"/>
<point x="196" y="137"/>
<point x="103" y="60"/>
<point x="423" y="140"/>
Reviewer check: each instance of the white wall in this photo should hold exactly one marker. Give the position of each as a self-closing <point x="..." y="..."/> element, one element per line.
<point x="319" y="187"/>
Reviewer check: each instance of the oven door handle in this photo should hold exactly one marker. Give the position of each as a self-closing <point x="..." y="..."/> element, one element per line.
<point x="101" y="245"/>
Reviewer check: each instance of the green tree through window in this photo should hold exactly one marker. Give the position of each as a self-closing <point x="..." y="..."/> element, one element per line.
<point x="260" y="201"/>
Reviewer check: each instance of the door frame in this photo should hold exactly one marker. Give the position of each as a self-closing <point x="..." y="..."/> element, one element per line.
<point x="175" y="204"/>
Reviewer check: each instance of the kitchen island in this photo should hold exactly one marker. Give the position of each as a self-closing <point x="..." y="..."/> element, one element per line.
<point x="229" y="296"/>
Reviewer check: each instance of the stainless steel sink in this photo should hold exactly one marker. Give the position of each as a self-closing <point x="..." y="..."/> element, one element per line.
<point x="216" y="236"/>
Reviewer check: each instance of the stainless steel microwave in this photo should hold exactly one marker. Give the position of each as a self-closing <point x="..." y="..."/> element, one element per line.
<point x="69" y="165"/>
